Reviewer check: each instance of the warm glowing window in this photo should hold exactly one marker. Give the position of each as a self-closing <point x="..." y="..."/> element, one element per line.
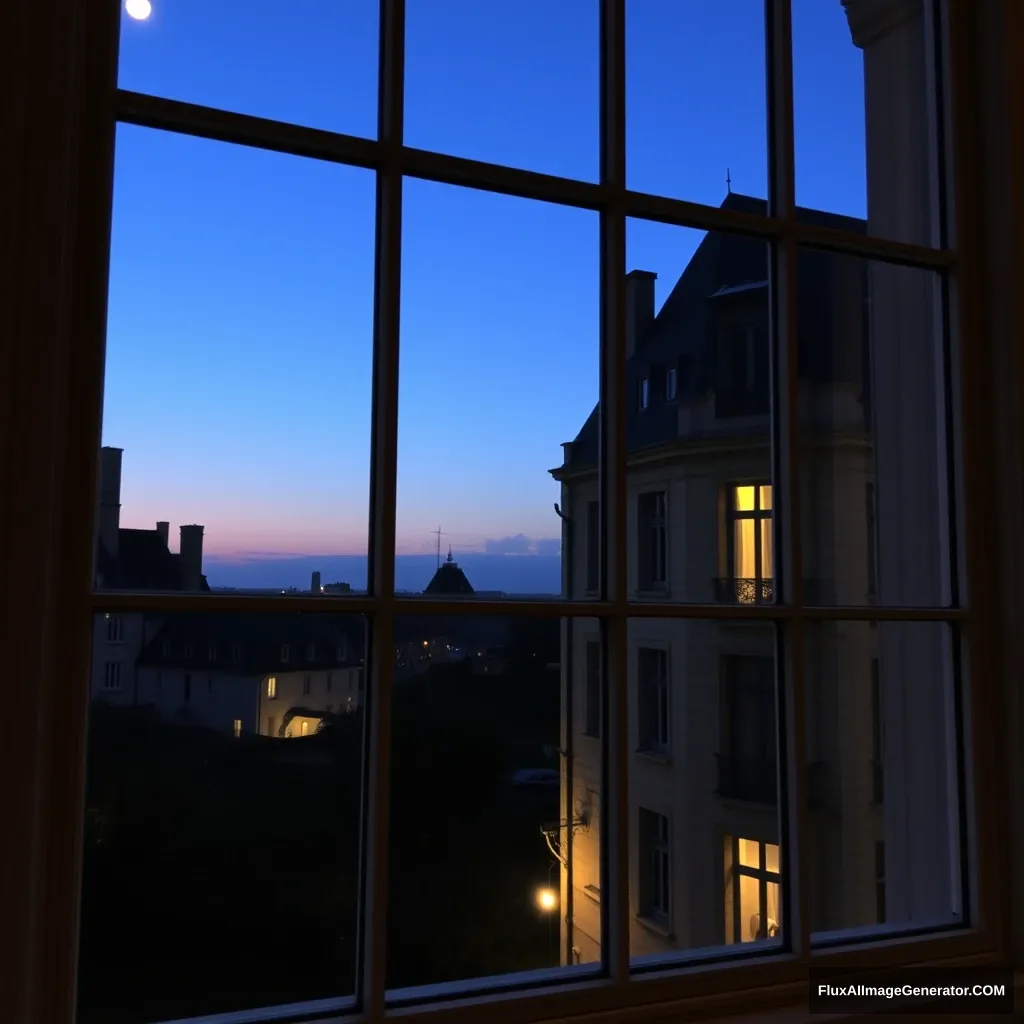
<point x="272" y="687"/>
<point x="238" y="728"/>
<point x="751" y="548"/>
<point x="753" y="909"/>
<point x="305" y="728"/>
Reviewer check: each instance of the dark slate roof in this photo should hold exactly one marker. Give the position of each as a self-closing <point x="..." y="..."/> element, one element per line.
<point x="725" y="268"/>
<point x="143" y="562"/>
<point x="251" y="644"/>
<point x="449" y="580"/>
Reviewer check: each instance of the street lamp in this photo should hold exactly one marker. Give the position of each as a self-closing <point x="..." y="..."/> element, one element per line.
<point x="547" y="899"/>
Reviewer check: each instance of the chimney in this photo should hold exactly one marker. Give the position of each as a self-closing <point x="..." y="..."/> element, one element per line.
<point x="639" y="306"/>
<point x="164" y="532"/>
<point x="191" y="554"/>
<point x="315" y="585"/>
<point x="109" y="520"/>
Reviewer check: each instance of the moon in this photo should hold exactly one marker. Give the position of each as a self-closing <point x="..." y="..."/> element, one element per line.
<point x="140" y="10"/>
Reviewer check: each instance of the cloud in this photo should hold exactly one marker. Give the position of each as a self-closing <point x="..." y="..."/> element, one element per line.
<point x="520" y="544"/>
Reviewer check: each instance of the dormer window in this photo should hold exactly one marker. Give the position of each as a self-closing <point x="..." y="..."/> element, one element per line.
<point x="645" y="393"/>
<point x="286" y="652"/>
<point x="671" y="384"/>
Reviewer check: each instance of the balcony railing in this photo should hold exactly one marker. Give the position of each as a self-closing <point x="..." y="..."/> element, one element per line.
<point x="734" y="590"/>
<point x="743" y="779"/>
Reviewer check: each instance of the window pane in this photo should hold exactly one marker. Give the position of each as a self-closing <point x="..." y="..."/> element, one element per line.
<point x="513" y="84"/>
<point x="905" y="797"/>
<point x="499" y="368"/>
<point x="864" y="117"/>
<point x="708" y="452"/>
<point x="714" y="141"/>
<point x="714" y="783"/>
<point x="485" y="806"/>
<point x="318" y="70"/>
<point x="239" y="345"/>
<point x="871" y="352"/>
<point x="215" y="849"/>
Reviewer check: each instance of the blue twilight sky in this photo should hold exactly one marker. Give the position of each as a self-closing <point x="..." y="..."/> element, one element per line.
<point x="240" y="323"/>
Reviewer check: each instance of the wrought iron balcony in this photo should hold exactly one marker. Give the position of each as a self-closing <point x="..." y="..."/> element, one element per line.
<point x="734" y="590"/>
<point x="743" y="779"/>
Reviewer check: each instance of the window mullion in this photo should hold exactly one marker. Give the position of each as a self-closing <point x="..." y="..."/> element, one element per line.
<point x="613" y="465"/>
<point x="792" y="761"/>
<point x="371" y="973"/>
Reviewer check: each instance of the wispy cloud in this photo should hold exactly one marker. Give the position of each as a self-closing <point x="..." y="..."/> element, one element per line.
<point x="520" y="544"/>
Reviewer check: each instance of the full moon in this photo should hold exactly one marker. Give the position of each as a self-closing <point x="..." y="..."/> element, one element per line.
<point x="140" y="10"/>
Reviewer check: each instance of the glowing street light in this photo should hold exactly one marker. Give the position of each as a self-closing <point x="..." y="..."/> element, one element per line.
<point x="547" y="899"/>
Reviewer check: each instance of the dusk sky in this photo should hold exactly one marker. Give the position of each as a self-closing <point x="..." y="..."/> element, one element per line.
<point x="241" y="293"/>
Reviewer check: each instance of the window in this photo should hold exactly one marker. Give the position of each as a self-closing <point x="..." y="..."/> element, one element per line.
<point x="652" y="541"/>
<point x="742" y="386"/>
<point x="753" y="908"/>
<point x="645" y="393"/>
<point x="286" y="653"/>
<point x="655" y="865"/>
<point x="653" y="695"/>
<point x="115" y="629"/>
<point x="306" y="686"/>
<point x="237" y="728"/>
<point x="592" y="539"/>
<point x="592" y="696"/>
<point x="885" y="226"/>
<point x="671" y="383"/>
<point x="186" y="688"/>
<point x="310" y="652"/>
<point x="112" y="676"/>
<point x="747" y="759"/>
<point x="305" y="728"/>
<point x="751" y="562"/>
<point x="271" y="687"/>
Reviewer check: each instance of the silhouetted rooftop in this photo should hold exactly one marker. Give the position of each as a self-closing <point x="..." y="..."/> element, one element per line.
<point x="143" y="562"/>
<point x="449" y="580"/>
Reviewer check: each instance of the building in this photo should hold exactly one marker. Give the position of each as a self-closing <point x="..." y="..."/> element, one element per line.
<point x="275" y="676"/>
<point x="131" y="559"/>
<point x="704" y="829"/>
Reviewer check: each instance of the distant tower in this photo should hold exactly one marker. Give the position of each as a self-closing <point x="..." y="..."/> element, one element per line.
<point x="728" y="181"/>
<point x="315" y="584"/>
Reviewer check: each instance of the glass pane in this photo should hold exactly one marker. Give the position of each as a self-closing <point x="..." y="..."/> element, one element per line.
<point x="697" y="303"/>
<point x="499" y="316"/>
<point x="513" y="84"/>
<point x="712" y="781"/>
<point x="771" y="857"/>
<point x="712" y="148"/>
<point x="237" y="388"/>
<point x="220" y="845"/>
<point x="750" y="909"/>
<point x="864" y="116"/>
<point x="765" y="496"/>
<point x="875" y="492"/>
<point x="485" y="807"/>
<point x="767" y="566"/>
<point x="318" y="70"/>
<point x="904" y="798"/>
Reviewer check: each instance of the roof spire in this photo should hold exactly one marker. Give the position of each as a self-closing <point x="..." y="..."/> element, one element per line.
<point x="449" y="552"/>
<point x="728" y="181"/>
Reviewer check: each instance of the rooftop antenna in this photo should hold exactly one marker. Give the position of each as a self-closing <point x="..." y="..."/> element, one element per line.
<point x="438" y="533"/>
<point x="728" y="181"/>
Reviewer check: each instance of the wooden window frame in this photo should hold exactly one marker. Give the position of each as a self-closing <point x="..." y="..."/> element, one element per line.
<point x="58" y="119"/>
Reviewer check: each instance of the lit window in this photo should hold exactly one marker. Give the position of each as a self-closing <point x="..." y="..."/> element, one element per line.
<point x="751" y="562"/>
<point x="237" y="728"/>
<point x="271" y="687"/>
<point x="305" y="728"/>
<point x="753" y="908"/>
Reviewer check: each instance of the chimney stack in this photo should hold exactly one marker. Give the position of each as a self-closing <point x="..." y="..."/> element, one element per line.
<point x="109" y="519"/>
<point x="315" y="584"/>
<point x="191" y="555"/>
<point x="164" y="532"/>
<point x="639" y="306"/>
